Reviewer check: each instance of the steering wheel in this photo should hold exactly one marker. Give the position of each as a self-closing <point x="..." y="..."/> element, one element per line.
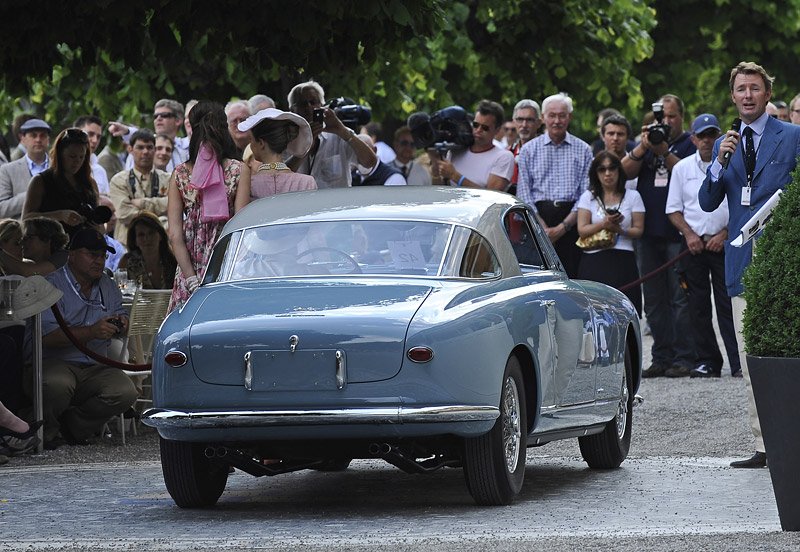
<point x="350" y="260"/>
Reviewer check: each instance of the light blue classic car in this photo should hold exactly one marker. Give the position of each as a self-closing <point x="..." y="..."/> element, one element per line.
<point x="430" y="327"/>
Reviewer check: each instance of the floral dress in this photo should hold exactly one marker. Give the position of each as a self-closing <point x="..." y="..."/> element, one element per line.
<point x="199" y="236"/>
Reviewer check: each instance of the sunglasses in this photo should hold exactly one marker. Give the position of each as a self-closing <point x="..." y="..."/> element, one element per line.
<point x="76" y="135"/>
<point x="476" y="125"/>
<point x="607" y="168"/>
<point x="164" y="115"/>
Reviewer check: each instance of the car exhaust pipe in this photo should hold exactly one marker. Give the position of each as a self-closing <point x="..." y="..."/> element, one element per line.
<point x="216" y="452"/>
<point x="210" y="452"/>
<point x="380" y="449"/>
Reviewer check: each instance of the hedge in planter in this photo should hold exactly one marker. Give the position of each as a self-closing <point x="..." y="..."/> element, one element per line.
<point x="772" y="282"/>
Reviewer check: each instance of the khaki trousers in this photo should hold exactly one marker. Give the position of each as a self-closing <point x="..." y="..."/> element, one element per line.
<point x="738" y="303"/>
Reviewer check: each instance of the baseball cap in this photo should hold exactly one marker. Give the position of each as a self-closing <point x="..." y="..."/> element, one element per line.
<point x="704" y="122"/>
<point x="91" y="239"/>
<point x="34" y="124"/>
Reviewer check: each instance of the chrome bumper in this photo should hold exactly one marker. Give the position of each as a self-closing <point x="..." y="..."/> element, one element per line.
<point x="165" y="419"/>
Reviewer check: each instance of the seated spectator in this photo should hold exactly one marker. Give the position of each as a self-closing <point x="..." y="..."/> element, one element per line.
<point x="43" y="243"/>
<point x="67" y="190"/>
<point x="11" y="238"/>
<point x="608" y="205"/>
<point x="273" y="132"/>
<point x="80" y="394"/>
<point x="149" y="259"/>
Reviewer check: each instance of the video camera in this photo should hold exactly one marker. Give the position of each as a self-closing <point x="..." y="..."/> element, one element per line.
<point x="449" y="129"/>
<point x="658" y="131"/>
<point x="351" y="114"/>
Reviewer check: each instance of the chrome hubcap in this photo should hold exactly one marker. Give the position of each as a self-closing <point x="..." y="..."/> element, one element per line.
<point x="512" y="432"/>
<point x="622" y="409"/>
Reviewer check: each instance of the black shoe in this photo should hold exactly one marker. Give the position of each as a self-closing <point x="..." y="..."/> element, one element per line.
<point x="656" y="370"/>
<point x="758" y="460"/>
<point x="54" y="443"/>
<point x="737" y="374"/>
<point x="677" y="371"/>
<point x="71" y="439"/>
<point x="705" y="371"/>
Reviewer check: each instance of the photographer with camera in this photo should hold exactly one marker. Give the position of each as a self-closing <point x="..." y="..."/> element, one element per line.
<point x="666" y="307"/>
<point x="482" y="164"/>
<point x="80" y="395"/>
<point x="335" y="149"/>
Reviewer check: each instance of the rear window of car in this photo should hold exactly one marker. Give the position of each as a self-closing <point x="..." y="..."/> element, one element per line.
<point x="369" y="247"/>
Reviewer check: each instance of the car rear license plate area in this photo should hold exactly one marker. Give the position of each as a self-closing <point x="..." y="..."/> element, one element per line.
<point x="305" y="370"/>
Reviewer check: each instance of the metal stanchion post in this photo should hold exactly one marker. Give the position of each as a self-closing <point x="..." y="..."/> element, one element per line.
<point x="37" y="377"/>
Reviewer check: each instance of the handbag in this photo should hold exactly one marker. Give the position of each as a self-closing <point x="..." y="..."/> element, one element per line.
<point x="602" y="239"/>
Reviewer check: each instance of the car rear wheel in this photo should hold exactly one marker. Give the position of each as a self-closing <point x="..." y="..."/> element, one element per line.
<point x="607" y="450"/>
<point x="193" y="481"/>
<point x="494" y="463"/>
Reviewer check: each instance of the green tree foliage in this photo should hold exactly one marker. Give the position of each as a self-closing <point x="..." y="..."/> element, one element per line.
<point x="772" y="282"/>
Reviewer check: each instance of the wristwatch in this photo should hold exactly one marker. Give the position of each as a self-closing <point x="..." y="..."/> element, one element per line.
<point x="567" y="226"/>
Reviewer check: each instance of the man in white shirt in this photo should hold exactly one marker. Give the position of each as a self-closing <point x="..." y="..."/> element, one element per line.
<point x="483" y="164"/>
<point x="705" y="235"/>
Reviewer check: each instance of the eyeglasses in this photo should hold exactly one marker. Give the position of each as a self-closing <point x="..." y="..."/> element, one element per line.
<point x="405" y="143"/>
<point x="607" y="168"/>
<point x="76" y="135"/>
<point x="476" y="125"/>
<point x="308" y="103"/>
<point x="164" y="115"/>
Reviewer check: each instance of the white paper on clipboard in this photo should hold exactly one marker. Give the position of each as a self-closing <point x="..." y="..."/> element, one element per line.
<point x="758" y="221"/>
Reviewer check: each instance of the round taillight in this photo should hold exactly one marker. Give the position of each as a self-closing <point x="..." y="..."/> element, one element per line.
<point x="419" y="354"/>
<point x="175" y="358"/>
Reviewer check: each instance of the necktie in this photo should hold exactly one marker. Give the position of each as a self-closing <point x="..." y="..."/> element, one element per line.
<point x="749" y="154"/>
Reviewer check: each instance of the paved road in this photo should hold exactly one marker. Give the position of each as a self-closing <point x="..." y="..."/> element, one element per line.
<point x="125" y="506"/>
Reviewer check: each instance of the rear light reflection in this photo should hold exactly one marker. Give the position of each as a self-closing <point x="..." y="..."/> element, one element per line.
<point x="175" y="358"/>
<point x="419" y="354"/>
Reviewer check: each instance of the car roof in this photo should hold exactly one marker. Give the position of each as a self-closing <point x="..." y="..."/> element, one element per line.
<point x="469" y="207"/>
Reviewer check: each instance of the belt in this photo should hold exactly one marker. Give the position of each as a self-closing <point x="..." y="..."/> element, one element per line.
<point x="557" y="202"/>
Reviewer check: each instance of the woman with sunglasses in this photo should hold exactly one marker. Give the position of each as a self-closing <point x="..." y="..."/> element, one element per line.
<point x="200" y="197"/>
<point x="66" y="191"/>
<point x="608" y="205"/>
<point x="43" y="248"/>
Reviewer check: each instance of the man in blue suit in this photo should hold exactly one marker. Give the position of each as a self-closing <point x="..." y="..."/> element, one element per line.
<point x="750" y="164"/>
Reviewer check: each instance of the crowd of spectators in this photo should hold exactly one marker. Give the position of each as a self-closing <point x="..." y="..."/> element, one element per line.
<point x="156" y="208"/>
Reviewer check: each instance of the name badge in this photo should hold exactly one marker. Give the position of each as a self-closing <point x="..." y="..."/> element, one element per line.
<point x="662" y="177"/>
<point x="746" y="195"/>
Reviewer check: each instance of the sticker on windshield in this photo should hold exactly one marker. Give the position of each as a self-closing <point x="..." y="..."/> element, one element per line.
<point x="406" y="254"/>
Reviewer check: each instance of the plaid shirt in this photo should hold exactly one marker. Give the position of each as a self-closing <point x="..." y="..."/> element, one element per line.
<point x="553" y="172"/>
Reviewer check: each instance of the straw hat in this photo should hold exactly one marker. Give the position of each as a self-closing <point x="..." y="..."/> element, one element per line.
<point x="34" y="295"/>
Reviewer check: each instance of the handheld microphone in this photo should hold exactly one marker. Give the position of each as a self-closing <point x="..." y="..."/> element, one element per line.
<point x="727" y="157"/>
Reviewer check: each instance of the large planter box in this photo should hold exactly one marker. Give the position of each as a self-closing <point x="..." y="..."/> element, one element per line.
<point x="776" y="387"/>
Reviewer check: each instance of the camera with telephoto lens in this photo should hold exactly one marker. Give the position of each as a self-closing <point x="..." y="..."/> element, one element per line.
<point x="94" y="215"/>
<point x="449" y="129"/>
<point x="658" y="131"/>
<point x="351" y="114"/>
<point x="117" y="322"/>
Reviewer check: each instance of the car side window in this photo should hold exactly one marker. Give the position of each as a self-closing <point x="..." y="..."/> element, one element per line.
<point x="478" y="261"/>
<point x="523" y="239"/>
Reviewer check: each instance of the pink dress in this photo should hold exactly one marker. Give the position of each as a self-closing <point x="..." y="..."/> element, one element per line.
<point x="200" y="236"/>
<point x="269" y="183"/>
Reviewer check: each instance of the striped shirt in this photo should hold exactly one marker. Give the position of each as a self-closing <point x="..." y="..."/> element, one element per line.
<point x="553" y="172"/>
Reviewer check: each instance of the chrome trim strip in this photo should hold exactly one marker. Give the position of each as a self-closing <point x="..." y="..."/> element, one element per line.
<point x="165" y="418"/>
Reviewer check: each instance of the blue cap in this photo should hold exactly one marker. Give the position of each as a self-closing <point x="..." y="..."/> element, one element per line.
<point x="34" y="124"/>
<point x="704" y="122"/>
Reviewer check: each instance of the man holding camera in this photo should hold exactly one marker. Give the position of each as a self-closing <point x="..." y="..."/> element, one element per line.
<point x="336" y="150"/>
<point x="666" y="307"/>
<point x="483" y="164"/>
<point x="80" y="394"/>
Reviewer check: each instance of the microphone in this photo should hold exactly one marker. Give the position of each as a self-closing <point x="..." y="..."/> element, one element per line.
<point x="727" y="157"/>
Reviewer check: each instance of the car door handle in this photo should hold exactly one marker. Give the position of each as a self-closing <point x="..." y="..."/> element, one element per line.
<point x="341" y="369"/>
<point x="248" y="372"/>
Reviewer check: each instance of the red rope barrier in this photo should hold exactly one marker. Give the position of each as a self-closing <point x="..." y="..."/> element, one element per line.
<point x="651" y="274"/>
<point x="93" y="355"/>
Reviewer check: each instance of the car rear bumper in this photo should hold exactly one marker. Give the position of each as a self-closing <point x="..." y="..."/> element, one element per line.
<point x="162" y="418"/>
